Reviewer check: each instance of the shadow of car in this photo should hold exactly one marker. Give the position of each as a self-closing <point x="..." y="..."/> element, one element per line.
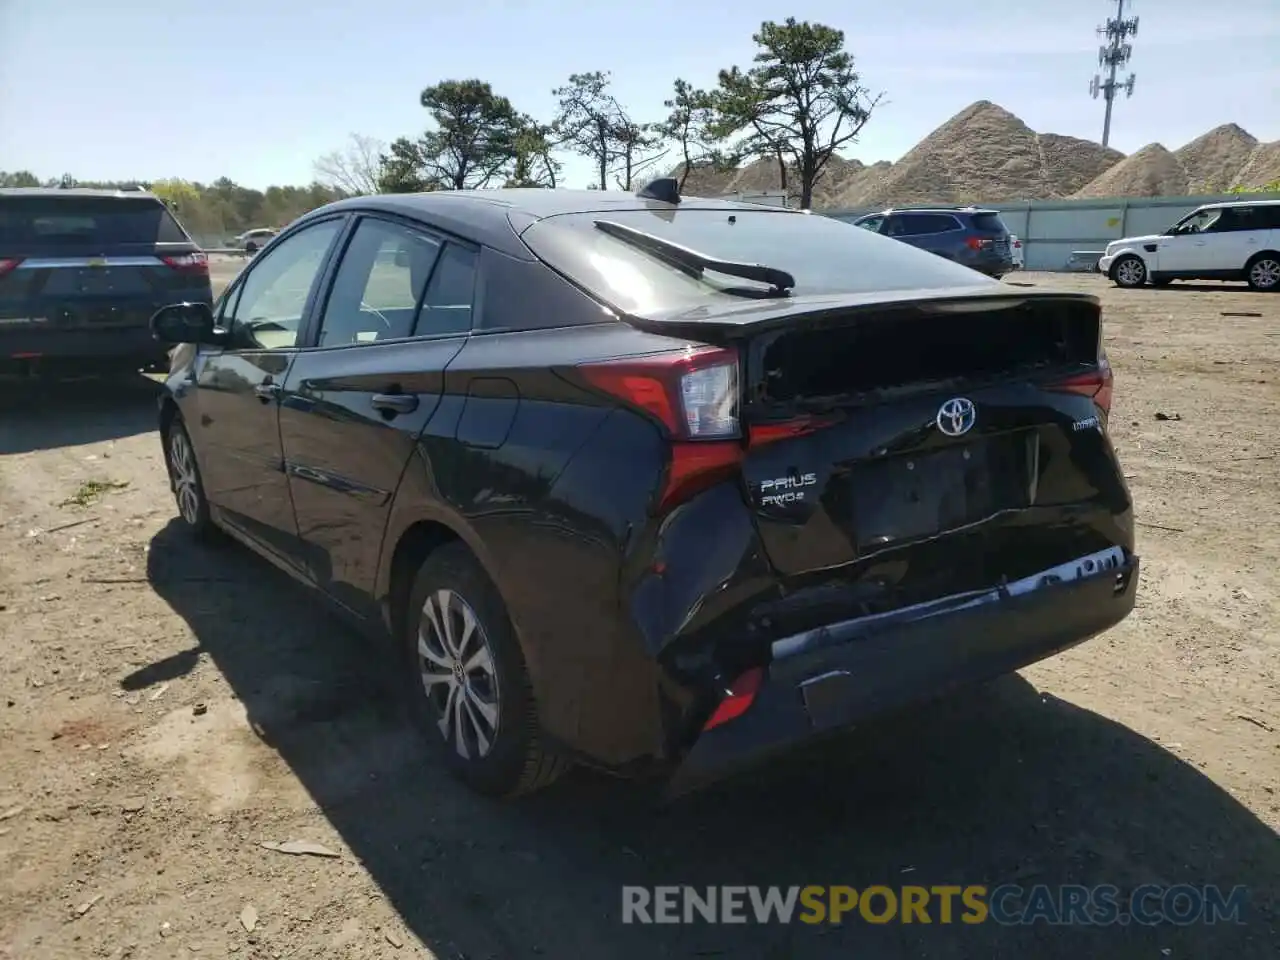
<point x="1002" y="784"/>
<point x="40" y="414"/>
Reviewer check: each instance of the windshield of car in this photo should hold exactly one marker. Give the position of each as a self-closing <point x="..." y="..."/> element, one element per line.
<point x="74" y="220"/>
<point x="824" y="255"/>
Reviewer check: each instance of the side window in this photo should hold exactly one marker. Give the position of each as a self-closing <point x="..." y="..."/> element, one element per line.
<point x="1269" y="216"/>
<point x="899" y="226"/>
<point x="267" y="309"/>
<point x="924" y="223"/>
<point x="378" y="284"/>
<point x="910" y="225"/>
<point x="1239" y="219"/>
<point x="871" y="223"/>
<point x="447" y="306"/>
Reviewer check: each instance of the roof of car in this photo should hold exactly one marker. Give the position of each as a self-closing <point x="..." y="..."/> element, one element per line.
<point x="939" y="210"/>
<point x="489" y="216"/>
<point x="72" y="192"/>
<point x="1237" y="203"/>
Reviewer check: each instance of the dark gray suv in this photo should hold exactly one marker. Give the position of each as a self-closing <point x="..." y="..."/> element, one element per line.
<point x="81" y="273"/>
<point x="975" y="238"/>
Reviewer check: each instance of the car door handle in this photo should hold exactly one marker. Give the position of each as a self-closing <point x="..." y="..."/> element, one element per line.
<point x="395" y="403"/>
<point x="267" y="391"/>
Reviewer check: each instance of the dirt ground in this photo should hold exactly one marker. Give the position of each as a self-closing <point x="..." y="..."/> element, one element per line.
<point x="166" y="709"/>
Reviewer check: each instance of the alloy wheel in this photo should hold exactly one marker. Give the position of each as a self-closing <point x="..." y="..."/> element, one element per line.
<point x="186" y="483"/>
<point x="1265" y="274"/>
<point x="1131" y="273"/>
<point x="455" y="663"/>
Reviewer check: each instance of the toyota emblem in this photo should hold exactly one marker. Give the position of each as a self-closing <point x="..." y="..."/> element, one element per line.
<point x="957" y="416"/>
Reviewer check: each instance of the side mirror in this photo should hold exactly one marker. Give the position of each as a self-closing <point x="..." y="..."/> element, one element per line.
<point x="184" y="323"/>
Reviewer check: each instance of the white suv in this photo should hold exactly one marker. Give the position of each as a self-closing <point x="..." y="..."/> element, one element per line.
<point x="1219" y="241"/>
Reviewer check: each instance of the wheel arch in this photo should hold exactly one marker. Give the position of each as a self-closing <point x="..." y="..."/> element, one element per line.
<point x="1274" y="254"/>
<point x="415" y="538"/>
<point x="416" y="528"/>
<point x="168" y="413"/>
<point x="413" y="545"/>
<point x="1121" y="255"/>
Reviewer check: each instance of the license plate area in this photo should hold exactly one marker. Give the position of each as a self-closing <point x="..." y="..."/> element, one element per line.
<point x="98" y="314"/>
<point x="95" y="280"/>
<point x="908" y="496"/>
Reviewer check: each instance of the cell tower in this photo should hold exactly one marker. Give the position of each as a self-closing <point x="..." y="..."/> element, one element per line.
<point x="1113" y="55"/>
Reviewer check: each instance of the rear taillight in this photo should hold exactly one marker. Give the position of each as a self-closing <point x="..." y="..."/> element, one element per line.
<point x="1097" y="384"/>
<point x="1017" y="244"/>
<point x="197" y="262"/>
<point x="740" y="695"/>
<point x="694" y="395"/>
<point x="977" y="243"/>
<point x="9" y="264"/>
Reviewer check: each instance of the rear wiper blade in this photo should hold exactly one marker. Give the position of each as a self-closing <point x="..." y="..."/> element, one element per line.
<point x="693" y="262"/>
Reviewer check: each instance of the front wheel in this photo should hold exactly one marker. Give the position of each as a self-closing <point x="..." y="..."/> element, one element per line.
<point x="188" y="486"/>
<point x="468" y="687"/>
<point x="1263" y="272"/>
<point x="1129" y="271"/>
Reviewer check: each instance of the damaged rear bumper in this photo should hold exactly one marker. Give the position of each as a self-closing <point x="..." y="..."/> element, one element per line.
<point x="828" y="679"/>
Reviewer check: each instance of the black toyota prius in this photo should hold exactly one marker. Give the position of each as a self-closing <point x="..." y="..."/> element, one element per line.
<point x="653" y="483"/>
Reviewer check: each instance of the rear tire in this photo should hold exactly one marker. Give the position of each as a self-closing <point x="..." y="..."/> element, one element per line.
<point x="467" y="687"/>
<point x="1129" y="272"/>
<point x="1263" y="272"/>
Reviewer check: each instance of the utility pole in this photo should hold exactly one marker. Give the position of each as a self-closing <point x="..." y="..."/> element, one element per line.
<point x="1113" y="55"/>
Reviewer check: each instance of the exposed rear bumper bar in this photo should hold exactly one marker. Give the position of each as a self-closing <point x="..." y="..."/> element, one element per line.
<point x="831" y="678"/>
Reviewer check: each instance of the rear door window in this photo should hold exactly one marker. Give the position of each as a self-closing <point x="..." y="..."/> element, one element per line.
<point x="50" y="221"/>
<point x="921" y="224"/>
<point x="378" y="285"/>
<point x="934" y="223"/>
<point x="446" y="308"/>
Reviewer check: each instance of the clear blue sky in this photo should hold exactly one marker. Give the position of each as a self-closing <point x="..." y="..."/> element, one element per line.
<point x="110" y="89"/>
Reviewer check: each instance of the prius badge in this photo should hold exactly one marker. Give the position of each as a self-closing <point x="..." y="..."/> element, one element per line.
<point x="957" y="416"/>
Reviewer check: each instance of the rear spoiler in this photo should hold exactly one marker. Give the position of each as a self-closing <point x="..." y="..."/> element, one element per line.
<point x="741" y="320"/>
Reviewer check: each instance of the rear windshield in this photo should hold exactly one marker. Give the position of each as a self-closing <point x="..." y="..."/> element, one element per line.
<point x="824" y="255"/>
<point x="104" y="221"/>
<point x="988" y="223"/>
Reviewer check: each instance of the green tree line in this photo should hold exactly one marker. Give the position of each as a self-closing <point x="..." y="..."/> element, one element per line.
<point x="798" y="102"/>
<point x="211" y="212"/>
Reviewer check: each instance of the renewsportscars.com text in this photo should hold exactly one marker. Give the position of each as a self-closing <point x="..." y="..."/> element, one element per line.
<point x="1008" y="904"/>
